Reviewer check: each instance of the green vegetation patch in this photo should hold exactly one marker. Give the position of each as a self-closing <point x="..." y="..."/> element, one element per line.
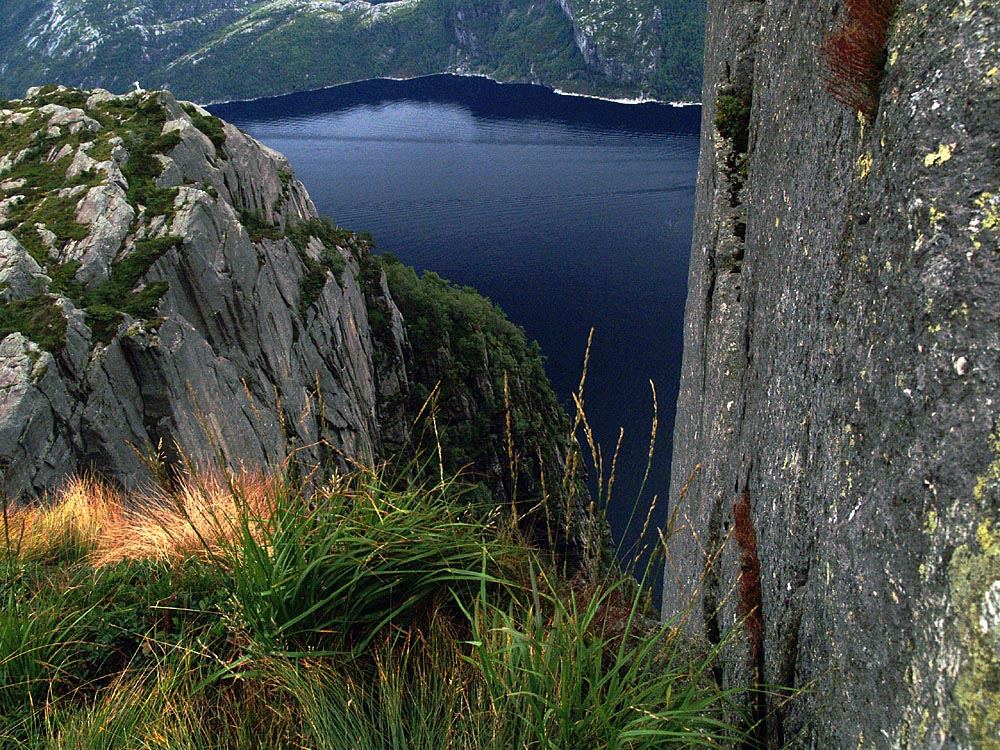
<point x="106" y="303"/>
<point x="41" y="203"/>
<point x="732" y="122"/>
<point x="210" y="126"/>
<point x="15" y="138"/>
<point x="140" y="125"/>
<point x="58" y="214"/>
<point x="67" y="629"/>
<point x="258" y="227"/>
<point x="38" y="318"/>
<point x="475" y="333"/>
<point x="28" y="236"/>
<point x="66" y="97"/>
<point x="299" y="234"/>
<point x="732" y="119"/>
<point x="255" y="616"/>
<point x="330" y="259"/>
<point x="485" y="383"/>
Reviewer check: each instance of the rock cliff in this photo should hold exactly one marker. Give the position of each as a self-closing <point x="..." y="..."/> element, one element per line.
<point x="169" y="288"/>
<point x="169" y="294"/>
<point x="838" y="430"/>
<point x="623" y="43"/>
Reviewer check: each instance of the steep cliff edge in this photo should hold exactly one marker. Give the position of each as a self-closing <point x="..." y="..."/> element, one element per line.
<point x="168" y="292"/>
<point x="838" y="416"/>
<point x="169" y="286"/>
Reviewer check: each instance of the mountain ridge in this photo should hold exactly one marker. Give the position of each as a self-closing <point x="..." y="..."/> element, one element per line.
<point x="216" y="50"/>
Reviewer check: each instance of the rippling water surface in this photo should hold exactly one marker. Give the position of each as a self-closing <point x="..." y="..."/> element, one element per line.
<point x="568" y="212"/>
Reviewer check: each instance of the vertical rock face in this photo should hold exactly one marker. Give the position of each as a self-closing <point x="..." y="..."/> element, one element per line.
<point x="838" y="426"/>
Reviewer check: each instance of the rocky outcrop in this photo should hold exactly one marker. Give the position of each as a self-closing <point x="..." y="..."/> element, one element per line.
<point x="179" y="297"/>
<point x="169" y="297"/>
<point x="838" y="430"/>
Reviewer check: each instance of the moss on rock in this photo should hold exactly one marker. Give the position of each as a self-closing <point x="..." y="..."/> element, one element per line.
<point x="974" y="578"/>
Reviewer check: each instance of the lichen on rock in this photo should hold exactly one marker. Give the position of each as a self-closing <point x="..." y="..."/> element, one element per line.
<point x="974" y="580"/>
<point x="847" y="375"/>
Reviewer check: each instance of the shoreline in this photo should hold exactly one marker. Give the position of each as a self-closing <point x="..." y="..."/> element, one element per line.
<point x="554" y="90"/>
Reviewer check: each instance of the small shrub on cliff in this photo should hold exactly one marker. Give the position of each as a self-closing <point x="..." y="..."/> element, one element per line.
<point x="330" y="259"/>
<point x="732" y="122"/>
<point x="732" y="119"/>
<point x="211" y="126"/>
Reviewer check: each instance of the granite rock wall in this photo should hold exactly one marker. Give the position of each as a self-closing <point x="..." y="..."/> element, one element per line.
<point x="838" y="429"/>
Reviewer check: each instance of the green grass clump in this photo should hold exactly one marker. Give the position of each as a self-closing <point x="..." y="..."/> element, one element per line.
<point x="37" y="317"/>
<point x="237" y="612"/>
<point x="210" y="126"/>
<point x="559" y="670"/>
<point x="37" y="637"/>
<point x="333" y="573"/>
<point x="588" y="670"/>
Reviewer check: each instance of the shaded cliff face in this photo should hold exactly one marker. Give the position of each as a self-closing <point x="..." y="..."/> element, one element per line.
<point x="838" y="415"/>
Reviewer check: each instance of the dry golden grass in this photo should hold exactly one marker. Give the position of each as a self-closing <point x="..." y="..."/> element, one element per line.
<point x="84" y="511"/>
<point x="89" y="518"/>
<point x="188" y="521"/>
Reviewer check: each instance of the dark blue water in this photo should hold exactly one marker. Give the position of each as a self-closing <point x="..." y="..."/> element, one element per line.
<point x="567" y="212"/>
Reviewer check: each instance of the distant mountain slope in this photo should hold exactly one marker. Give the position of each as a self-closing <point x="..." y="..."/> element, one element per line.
<point x="228" y="49"/>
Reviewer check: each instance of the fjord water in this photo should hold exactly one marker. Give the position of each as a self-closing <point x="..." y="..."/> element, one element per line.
<point x="567" y="212"/>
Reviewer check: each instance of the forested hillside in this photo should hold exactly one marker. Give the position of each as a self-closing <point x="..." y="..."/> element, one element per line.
<point x="212" y="50"/>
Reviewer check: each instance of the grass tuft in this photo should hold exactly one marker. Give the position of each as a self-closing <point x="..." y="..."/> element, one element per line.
<point x="235" y="610"/>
